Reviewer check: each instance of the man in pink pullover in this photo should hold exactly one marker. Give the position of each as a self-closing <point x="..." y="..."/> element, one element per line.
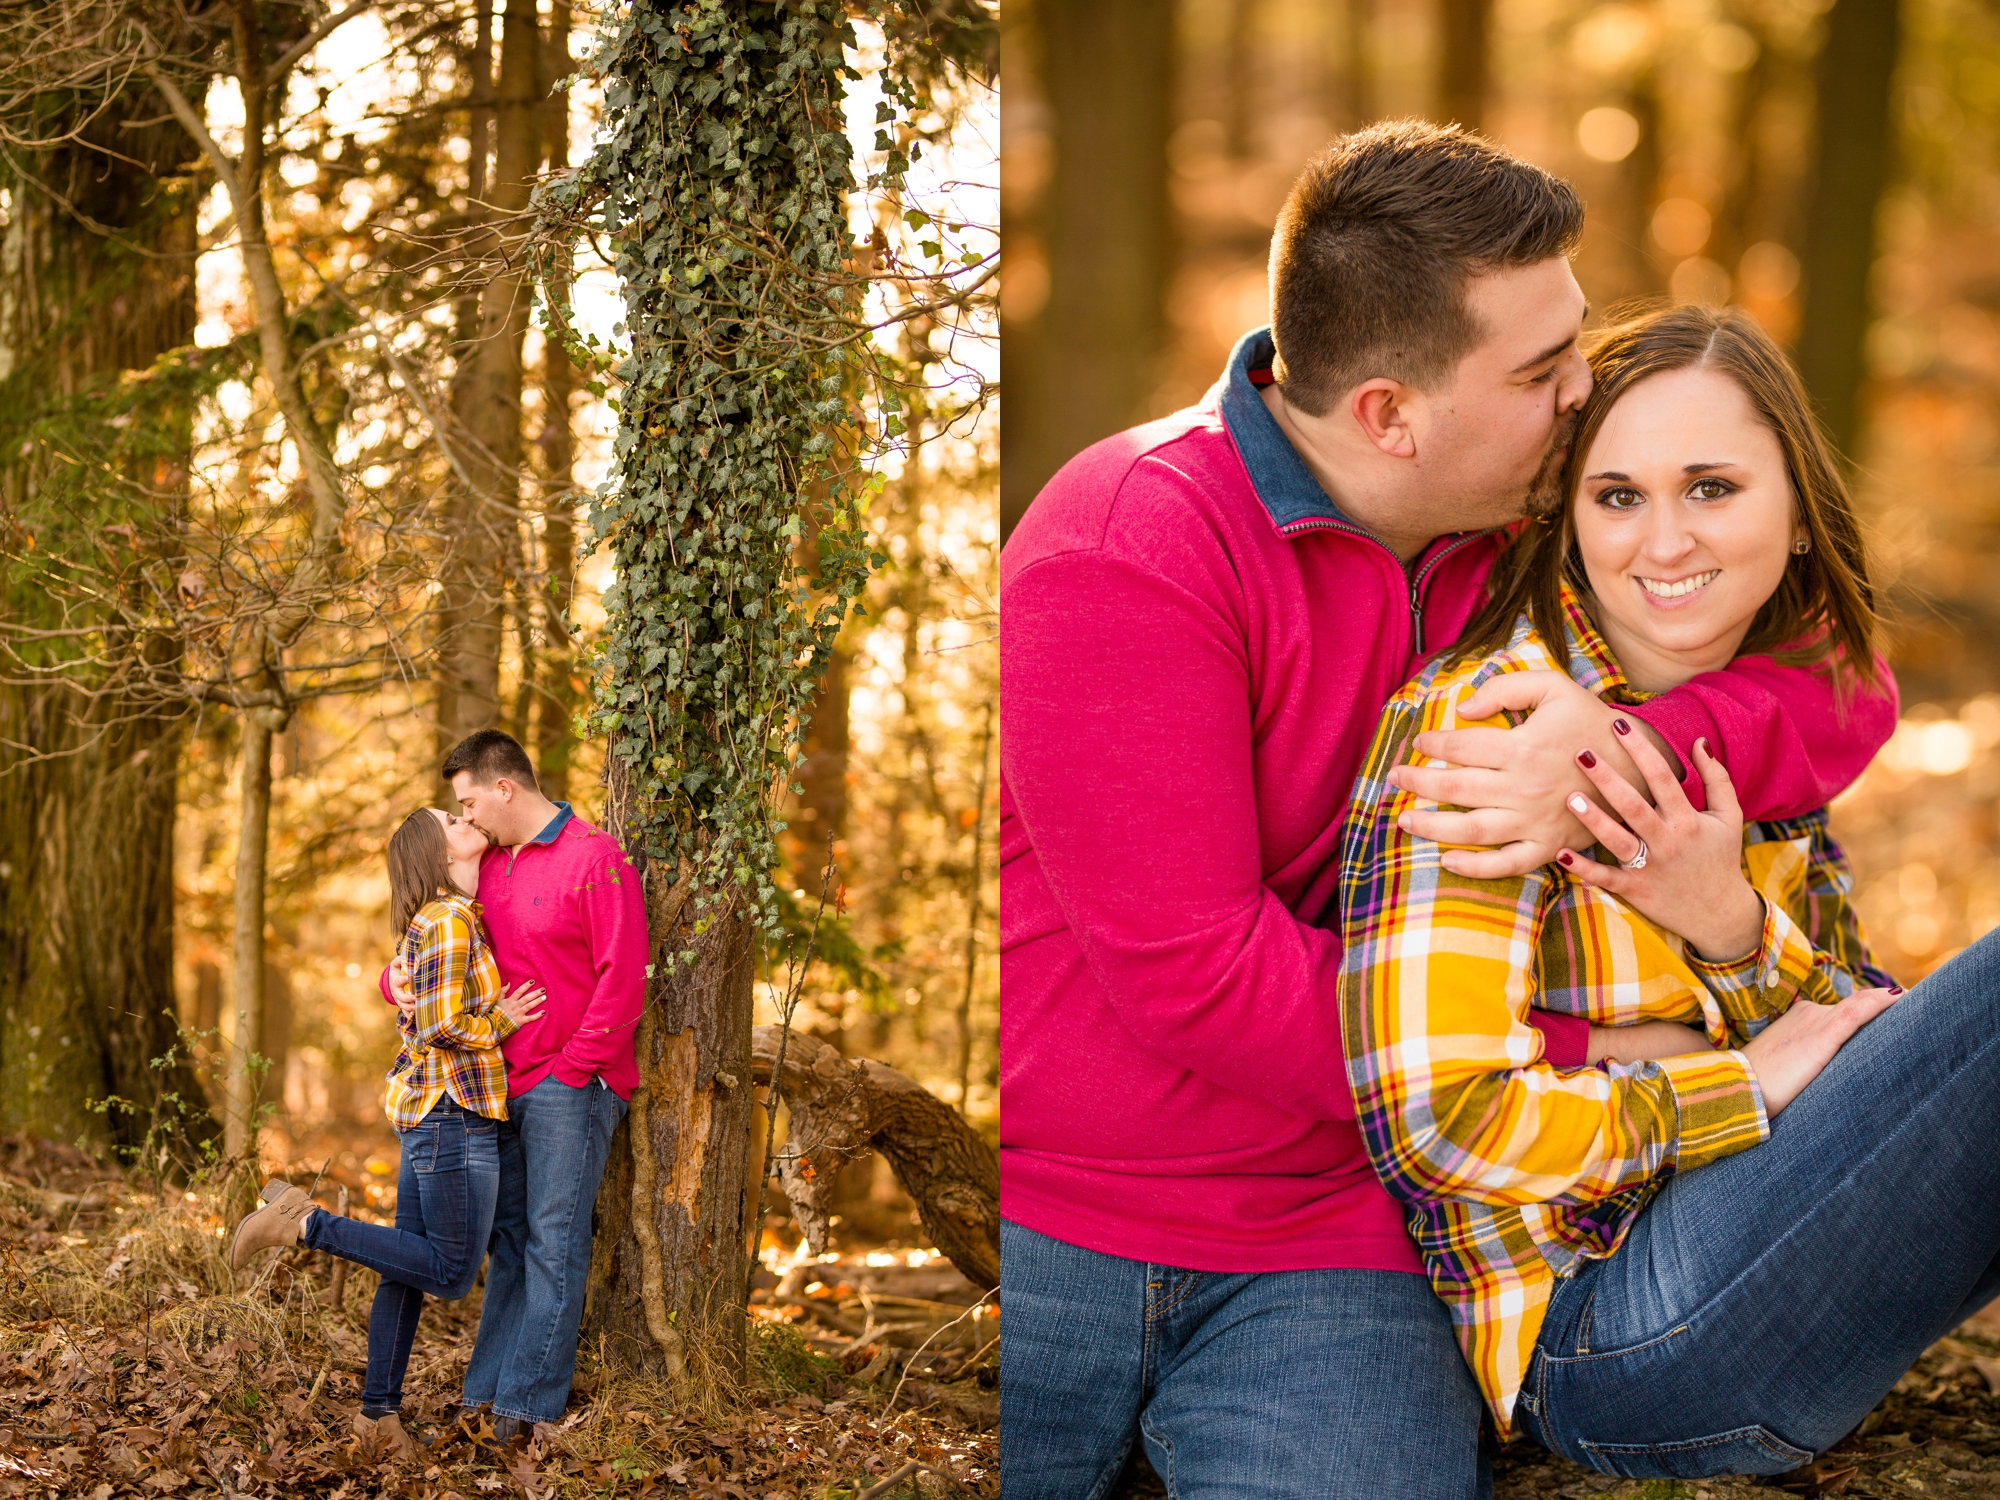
<point x="1203" y="619"/>
<point x="564" y="908"/>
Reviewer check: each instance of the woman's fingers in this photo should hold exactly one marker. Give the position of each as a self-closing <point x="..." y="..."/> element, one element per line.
<point x="1621" y="841"/>
<point x="1635" y="810"/>
<point x="1863" y="1006"/>
<point x="1715" y="778"/>
<point x="1660" y="779"/>
<point x="1613" y="878"/>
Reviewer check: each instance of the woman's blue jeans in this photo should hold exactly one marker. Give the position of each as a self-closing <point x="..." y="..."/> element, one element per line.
<point x="1762" y="1305"/>
<point x="445" y="1191"/>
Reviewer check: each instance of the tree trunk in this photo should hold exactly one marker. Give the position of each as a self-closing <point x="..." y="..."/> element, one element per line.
<point x="1355" y="106"/>
<point x="87" y="780"/>
<point x="556" y="701"/>
<point x="1856" y="68"/>
<point x="1743" y="193"/>
<point x="1244" y="103"/>
<point x="670" y="1253"/>
<point x="1463" y="71"/>
<point x="1085" y="366"/>
<point x="484" y="509"/>
<point x="246" y="1041"/>
<point x="975" y="893"/>
<point x="842" y="1108"/>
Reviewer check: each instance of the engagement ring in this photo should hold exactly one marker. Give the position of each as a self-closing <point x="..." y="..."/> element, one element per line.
<point x="1637" y="861"/>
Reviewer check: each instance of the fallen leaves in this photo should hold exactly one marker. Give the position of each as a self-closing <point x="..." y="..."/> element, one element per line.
<point x="163" y="1380"/>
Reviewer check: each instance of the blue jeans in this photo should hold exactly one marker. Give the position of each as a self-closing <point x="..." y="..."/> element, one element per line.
<point x="445" y="1191"/>
<point x="1763" y="1304"/>
<point x="1320" y="1385"/>
<point x="552" y="1152"/>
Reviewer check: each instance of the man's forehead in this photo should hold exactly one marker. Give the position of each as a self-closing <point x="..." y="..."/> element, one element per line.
<point x="1527" y="314"/>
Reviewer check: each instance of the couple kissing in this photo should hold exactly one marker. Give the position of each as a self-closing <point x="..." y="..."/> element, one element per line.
<point x="518" y="978"/>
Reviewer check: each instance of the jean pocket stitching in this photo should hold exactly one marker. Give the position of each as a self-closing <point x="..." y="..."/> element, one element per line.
<point x="1583" y="1359"/>
<point x="1756" y="1432"/>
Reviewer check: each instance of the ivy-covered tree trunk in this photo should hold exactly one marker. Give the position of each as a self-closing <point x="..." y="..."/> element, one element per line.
<point x="87" y="771"/>
<point x="721" y="181"/>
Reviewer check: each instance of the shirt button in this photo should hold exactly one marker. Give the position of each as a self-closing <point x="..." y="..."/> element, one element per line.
<point x="1771" y="980"/>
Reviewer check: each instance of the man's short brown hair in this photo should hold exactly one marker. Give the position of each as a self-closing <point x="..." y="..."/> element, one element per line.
<point x="1375" y="245"/>
<point x="490" y="754"/>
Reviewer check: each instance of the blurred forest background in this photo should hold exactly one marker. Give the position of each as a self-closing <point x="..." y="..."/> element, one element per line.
<point x="1834" y="168"/>
<point x="144" y="379"/>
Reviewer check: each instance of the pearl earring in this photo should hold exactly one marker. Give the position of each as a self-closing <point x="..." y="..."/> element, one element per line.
<point x="1802" y="546"/>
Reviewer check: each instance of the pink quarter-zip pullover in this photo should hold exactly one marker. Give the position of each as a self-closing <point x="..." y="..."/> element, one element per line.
<point x="567" y="910"/>
<point x="1195" y="649"/>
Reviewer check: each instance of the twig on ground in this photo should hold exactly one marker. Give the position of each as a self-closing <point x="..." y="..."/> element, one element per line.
<point x="912" y="1467"/>
<point x="925" y="1345"/>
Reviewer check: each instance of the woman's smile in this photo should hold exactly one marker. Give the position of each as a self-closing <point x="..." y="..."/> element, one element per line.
<point x="1676" y="593"/>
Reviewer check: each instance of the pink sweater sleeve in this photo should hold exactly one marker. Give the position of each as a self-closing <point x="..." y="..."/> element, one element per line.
<point x="1789" y="746"/>
<point x="612" y="906"/>
<point x="1128" y="756"/>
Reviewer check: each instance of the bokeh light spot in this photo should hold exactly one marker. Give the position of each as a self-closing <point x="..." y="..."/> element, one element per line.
<point x="1607" y="133"/>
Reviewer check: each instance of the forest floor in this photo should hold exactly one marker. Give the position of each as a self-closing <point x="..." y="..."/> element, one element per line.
<point x="1937" y="1434"/>
<point x="131" y="1366"/>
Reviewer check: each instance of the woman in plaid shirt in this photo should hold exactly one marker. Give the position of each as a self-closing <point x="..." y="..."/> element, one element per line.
<point x="1648" y="1268"/>
<point x="447" y="1090"/>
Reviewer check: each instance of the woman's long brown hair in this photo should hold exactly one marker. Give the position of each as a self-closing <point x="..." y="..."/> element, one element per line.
<point x="417" y="865"/>
<point x="1824" y="607"/>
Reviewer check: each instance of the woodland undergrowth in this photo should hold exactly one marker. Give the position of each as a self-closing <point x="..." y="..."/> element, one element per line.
<point x="131" y="1364"/>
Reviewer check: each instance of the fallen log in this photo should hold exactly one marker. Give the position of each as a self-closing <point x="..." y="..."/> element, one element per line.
<point x="842" y="1108"/>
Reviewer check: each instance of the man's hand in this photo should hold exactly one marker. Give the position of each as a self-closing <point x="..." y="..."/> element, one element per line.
<point x="399" y="989"/>
<point x="1646" y="1040"/>
<point x="1514" y="783"/>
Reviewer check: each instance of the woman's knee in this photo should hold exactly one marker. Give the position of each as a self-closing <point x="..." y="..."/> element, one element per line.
<point x="461" y="1281"/>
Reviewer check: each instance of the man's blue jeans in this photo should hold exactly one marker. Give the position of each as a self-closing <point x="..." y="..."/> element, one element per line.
<point x="1763" y="1304"/>
<point x="445" y="1192"/>
<point x="1320" y="1385"/>
<point x="552" y="1152"/>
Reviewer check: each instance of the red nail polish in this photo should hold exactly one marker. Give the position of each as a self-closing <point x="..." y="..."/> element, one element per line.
<point x="1585" y="759"/>
<point x="1895" y="989"/>
<point x="1621" y="726"/>
<point x="1565" y="859"/>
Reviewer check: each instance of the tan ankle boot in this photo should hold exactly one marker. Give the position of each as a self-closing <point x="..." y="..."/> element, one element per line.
<point x="277" y="1224"/>
<point x="384" y="1435"/>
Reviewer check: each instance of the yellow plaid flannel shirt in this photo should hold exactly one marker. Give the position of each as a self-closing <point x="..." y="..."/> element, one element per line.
<point x="1515" y="1170"/>
<point x="451" y="1045"/>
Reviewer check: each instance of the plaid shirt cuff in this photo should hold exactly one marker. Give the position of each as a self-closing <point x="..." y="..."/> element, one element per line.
<point x="1721" y="1107"/>
<point x="1752" y="991"/>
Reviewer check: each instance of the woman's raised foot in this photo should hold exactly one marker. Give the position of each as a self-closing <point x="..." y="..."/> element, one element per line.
<point x="277" y="1224"/>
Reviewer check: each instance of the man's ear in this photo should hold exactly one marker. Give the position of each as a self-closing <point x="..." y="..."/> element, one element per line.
<point x="1381" y="409"/>
<point x="504" y="787"/>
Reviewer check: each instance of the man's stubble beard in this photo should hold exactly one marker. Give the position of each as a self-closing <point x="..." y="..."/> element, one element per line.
<point x="1545" y="490"/>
